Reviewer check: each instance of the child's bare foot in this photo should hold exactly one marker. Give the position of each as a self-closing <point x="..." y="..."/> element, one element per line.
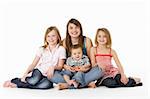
<point x="12" y="85"/>
<point x="9" y="84"/>
<point x="70" y="82"/>
<point x="62" y="86"/>
<point x="92" y="85"/>
<point x="6" y="84"/>
<point x="75" y="84"/>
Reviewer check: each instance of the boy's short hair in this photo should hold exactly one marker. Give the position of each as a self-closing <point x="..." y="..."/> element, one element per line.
<point x="76" y="46"/>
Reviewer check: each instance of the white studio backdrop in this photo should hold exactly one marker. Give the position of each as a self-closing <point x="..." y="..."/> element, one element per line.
<point x="24" y="25"/>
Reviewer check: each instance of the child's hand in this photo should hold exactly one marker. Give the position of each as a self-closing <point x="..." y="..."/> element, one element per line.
<point x="124" y="79"/>
<point x="50" y="72"/>
<point x="76" y="68"/>
<point x="72" y="69"/>
<point x="80" y="69"/>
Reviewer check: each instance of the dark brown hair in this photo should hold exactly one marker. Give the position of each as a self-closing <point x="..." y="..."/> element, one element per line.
<point x="68" y="41"/>
<point x="76" y="46"/>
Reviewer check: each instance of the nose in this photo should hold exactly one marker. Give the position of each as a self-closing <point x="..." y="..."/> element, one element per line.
<point x="51" y="37"/>
<point x="101" y="38"/>
<point x="74" y="30"/>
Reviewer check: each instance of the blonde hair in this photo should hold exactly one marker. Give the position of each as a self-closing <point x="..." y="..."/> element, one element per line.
<point x="107" y="33"/>
<point x="49" y="30"/>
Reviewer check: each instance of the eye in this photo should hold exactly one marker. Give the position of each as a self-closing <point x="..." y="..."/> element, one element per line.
<point x="48" y="36"/>
<point x="70" y="27"/>
<point x="76" y="27"/>
<point x="53" y="35"/>
<point x="104" y="36"/>
<point x="99" y="36"/>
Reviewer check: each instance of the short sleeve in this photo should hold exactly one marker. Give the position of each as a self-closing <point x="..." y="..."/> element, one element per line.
<point x="62" y="52"/>
<point x="86" y="60"/>
<point x="69" y="60"/>
<point x="39" y="52"/>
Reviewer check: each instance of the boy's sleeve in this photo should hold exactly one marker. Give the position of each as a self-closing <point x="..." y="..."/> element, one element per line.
<point x="68" y="61"/>
<point x="86" y="60"/>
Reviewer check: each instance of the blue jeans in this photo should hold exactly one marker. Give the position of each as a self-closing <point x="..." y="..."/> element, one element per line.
<point x="85" y="78"/>
<point x="58" y="77"/>
<point x="36" y="81"/>
<point x="68" y="73"/>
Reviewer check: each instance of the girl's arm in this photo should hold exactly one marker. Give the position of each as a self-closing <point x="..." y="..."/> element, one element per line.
<point x="31" y="67"/>
<point x="121" y="71"/>
<point x="62" y="57"/>
<point x="88" y="46"/>
<point x="60" y="64"/>
<point x="51" y="69"/>
<point x="92" y="56"/>
<point x="66" y="66"/>
<point x="115" y="57"/>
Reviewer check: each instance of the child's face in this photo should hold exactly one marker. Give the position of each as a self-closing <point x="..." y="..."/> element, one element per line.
<point x="52" y="37"/>
<point x="74" y="31"/>
<point x="76" y="53"/>
<point x="101" y="38"/>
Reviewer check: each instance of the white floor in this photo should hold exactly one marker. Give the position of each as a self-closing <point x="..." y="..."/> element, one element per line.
<point x="100" y="92"/>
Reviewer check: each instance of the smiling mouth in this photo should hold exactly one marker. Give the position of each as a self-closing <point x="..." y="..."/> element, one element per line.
<point x="77" y="57"/>
<point x="101" y="41"/>
<point x="51" y="41"/>
<point x="75" y="33"/>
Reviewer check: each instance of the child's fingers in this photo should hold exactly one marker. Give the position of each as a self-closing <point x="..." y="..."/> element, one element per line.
<point x="124" y="81"/>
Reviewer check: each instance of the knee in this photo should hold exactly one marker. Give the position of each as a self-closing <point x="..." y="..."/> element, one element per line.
<point x="32" y="80"/>
<point x="36" y="72"/>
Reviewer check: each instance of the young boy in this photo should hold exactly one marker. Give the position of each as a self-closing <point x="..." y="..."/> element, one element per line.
<point x="77" y="63"/>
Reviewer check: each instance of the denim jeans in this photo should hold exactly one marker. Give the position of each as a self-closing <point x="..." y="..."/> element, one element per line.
<point x="36" y="81"/>
<point x="58" y="77"/>
<point x="68" y="73"/>
<point x="85" y="78"/>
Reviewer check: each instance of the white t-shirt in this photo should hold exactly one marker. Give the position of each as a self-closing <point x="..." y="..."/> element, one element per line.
<point x="50" y="58"/>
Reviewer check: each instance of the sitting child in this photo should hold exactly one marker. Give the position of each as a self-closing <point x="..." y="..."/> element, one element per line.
<point x="78" y="63"/>
<point x="102" y="55"/>
<point x="46" y="65"/>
